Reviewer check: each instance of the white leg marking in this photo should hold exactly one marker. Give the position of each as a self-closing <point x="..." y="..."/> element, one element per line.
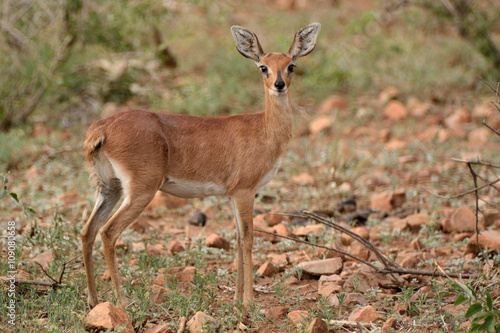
<point x="236" y="217"/>
<point x="124" y="178"/>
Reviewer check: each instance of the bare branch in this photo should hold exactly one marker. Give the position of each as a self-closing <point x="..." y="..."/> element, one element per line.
<point x="477" y="162"/>
<point x="463" y="193"/>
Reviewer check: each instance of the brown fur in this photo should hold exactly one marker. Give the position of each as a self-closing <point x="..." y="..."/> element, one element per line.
<point x="134" y="153"/>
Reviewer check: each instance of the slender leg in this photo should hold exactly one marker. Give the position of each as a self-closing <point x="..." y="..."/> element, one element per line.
<point x="238" y="296"/>
<point x="128" y="212"/>
<point x="106" y="201"/>
<point x="244" y="204"/>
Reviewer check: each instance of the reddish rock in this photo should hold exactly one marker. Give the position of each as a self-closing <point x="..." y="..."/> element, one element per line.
<point x="325" y="280"/>
<point x="487" y="239"/>
<point x="320" y="124"/>
<point x="159" y="329"/>
<point x="195" y="324"/>
<point x="184" y="274"/>
<point x="309" y="229"/>
<point x="303" y="179"/>
<point x="166" y="200"/>
<point x="388" y="201"/>
<point x="175" y="246"/>
<point x="158" y="294"/>
<point x="160" y="280"/>
<point x="360" y="282"/>
<point x="332" y="103"/>
<point x="322" y="267"/>
<point x="327" y="290"/>
<point x="462" y="220"/>
<point x="298" y="316"/>
<point x="280" y="260"/>
<point x="345" y="239"/>
<point x="359" y="250"/>
<point x="353" y="299"/>
<point x="155" y="250"/>
<point x="70" y="198"/>
<point x="217" y="241"/>
<point x="366" y="314"/>
<point x="389" y="324"/>
<point x="395" y="144"/>
<point x="416" y="221"/>
<point x="267" y="269"/>
<point x="282" y="230"/>
<point x="371" y="180"/>
<point x="395" y="110"/>
<point x="317" y="325"/>
<point x="106" y="316"/>
<point x="410" y="260"/>
<point x="275" y="218"/>
<point x="397" y="223"/>
<point x="416" y="244"/>
<point x="400" y="308"/>
<point x="43" y="259"/>
<point x="276" y="312"/>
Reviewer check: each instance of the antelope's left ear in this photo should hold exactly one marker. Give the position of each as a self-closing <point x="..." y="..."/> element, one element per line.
<point x="304" y="41"/>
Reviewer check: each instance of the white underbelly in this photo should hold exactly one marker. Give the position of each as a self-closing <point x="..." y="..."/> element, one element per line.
<point x="270" y="174"/>
<point x="190" y="189"/>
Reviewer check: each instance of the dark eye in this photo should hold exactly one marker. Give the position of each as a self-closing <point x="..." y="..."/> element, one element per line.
<point x="291" y="67"/>
<point x="264" y="69"/>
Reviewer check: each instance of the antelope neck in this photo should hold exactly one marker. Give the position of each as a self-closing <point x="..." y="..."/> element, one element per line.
<point x="278" y="112"/>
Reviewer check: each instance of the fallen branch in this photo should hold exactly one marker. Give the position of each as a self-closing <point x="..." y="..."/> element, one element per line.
<point x="463" y="193"/>
<point x="394" y="268"/>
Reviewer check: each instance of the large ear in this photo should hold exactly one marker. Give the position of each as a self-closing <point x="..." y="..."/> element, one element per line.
<point x="247" y="43"/>
<point x="304" y="41"/>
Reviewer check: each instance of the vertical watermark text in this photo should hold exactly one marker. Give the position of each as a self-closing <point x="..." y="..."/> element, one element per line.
<point x="12" y="270"/>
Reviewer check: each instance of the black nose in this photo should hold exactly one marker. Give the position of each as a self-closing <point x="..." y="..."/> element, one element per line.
<point x="279" y="84"/>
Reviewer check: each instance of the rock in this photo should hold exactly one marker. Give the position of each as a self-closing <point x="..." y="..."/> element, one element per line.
<point x="267" y="269"/>
<point x="425" y="291"/>
<point x="317" y="325"/>
<point x="281" y="230"/>
<point x="345" y="239"/>
<point x="199" y="219"/>
<point x="298" y="316"/>
<point x="410" y="260"/>
<point x="489" y="239"/>
<point x="416" y="244"/>
<point x="389" y="200"/>
<point x="395" y="111"/>
<point x="395" y="144"/>
<point x="374" y="179"/>
<point x="322" y="267"/>
<point x="106" y="316"/>
<point x="479" y="136"/>
<point x="332" y="103"/>
<point x="280" y="261"/>
<point x="155" y="250"/>
<point x="418" y="108"/>
<point x="416" y="221"/>
<point x="309" y="229"/>
<point x="159" y="329"/>
<point x="360" y="282"/>
<point x="389" y="324"/>
<point x="195" y="324"/>
<point x="327" y="290"/>
<point x="461" y="236"/>
<point x="217" y="241"/>
<point x="353" y="299"/>
<point x="43" y="259"/>
<point x="325" y="280"/>
<point x="387" y="94"/>
<point x="166" y="200"/>
<point x="158" y="296"/>
<point x="400" y="308"/>
<point x="303" y="179"/>
<point x="275" y="218"/>
<point x="397" y="223"/>
<point x="184" y="274"/>
<point x="359" y="250"/>
<point x="175" y="246"/>
<point x="462" y="220"/>
<point x="70" y="198"/>
<point x="276" y="312"/>
<point x="320" y="124"/>
<point x="365" y="315"/>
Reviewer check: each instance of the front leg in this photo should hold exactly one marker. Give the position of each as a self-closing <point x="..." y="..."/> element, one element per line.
<point x="243" y="207"/>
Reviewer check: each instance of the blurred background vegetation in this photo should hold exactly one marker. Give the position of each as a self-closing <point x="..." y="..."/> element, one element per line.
<point x="66" y="63"/>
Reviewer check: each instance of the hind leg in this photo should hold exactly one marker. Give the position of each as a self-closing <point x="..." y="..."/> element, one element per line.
<point x="107" y="197"/>
<point x="128" y="212"/>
